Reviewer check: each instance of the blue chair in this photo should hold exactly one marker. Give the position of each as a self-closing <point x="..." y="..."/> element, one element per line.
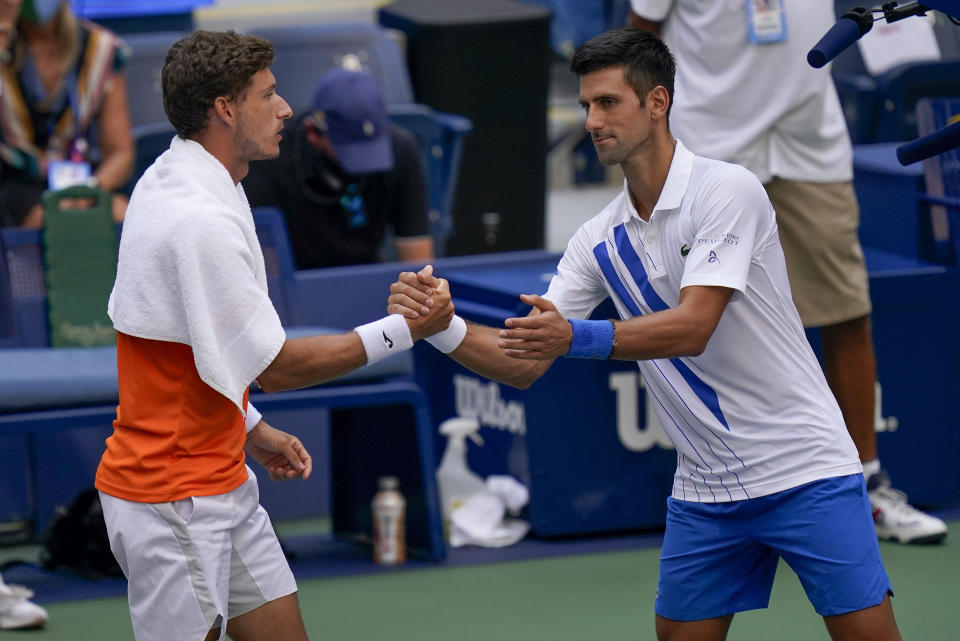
<point x="149" y="141"/>
<point x="942" y="173"/>
<point x="14" y="450"/>
<point x="24" y="252"/>
<point x="858" y="99"/>
<point x="899" y="89"/>
<point x="881" y="108"/>
<point x="144" y="92"/>
<point x="8" y="319"/>
<point x="305" y="52"/>
<point x="28" y="286"/>
<point x="278" y="259"/>
<point x="441" y="144"/>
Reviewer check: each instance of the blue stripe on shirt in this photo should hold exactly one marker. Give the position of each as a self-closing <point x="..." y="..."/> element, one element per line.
<point x="706" y="394"/>
<point x="630" y="258"/>
<point x="606" y="266"/>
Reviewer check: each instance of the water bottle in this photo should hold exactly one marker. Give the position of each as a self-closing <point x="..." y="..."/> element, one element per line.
<point x="389" y="525"/>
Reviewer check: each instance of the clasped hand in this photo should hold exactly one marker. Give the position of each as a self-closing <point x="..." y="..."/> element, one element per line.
<point x="544" y="335"/>
<point x="424" y="300"/>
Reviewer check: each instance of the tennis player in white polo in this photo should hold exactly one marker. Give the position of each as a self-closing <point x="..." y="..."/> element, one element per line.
<point x="690" y="255"/>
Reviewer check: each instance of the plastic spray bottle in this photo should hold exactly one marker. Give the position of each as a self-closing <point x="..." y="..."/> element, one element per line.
<point x="455" y="480"/>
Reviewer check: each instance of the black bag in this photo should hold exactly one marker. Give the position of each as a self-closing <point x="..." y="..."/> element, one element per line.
<point x="77" y="537"/>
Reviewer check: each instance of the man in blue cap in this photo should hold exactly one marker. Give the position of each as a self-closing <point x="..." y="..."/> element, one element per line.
<point x="345" y="176"/>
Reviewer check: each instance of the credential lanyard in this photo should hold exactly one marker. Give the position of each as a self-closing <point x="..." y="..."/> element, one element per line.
<point x="766" y="21"/>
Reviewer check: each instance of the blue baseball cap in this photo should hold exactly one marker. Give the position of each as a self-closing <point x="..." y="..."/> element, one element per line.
<point x="349" y="106"/>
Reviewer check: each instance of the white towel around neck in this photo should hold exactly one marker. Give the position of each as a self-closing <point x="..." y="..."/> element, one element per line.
<point x="191" y="270"/>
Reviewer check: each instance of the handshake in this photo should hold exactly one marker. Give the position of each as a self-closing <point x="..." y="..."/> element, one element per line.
<point x="424" y="300"/>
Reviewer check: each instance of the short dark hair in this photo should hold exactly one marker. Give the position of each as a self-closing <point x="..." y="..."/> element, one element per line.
<point x="204" y="66"/>
<point x="646" y="60"/>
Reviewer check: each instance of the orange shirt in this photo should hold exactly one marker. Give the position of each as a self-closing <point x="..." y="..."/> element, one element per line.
<point x="174" y="436"/>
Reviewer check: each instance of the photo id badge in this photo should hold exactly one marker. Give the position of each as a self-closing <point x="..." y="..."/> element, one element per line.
<point x="766" y="21"/>
<point x="64" y="173"/>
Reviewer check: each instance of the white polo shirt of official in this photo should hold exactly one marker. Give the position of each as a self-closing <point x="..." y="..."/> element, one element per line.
<point x="752" y="415"/>
<point x="759" y="105"/>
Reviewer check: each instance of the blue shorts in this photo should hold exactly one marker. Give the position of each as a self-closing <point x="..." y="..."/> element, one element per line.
<point x="721" y="558"/>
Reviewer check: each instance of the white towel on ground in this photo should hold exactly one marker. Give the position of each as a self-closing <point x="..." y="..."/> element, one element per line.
<point x="191" y="270"/>
<point x="480" y="519"/>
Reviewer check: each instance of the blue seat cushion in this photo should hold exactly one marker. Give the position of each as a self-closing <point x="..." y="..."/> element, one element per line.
<point x="47" y="378"/>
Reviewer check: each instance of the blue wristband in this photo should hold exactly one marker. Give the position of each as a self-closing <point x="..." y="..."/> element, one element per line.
<point x="591" y="339"/>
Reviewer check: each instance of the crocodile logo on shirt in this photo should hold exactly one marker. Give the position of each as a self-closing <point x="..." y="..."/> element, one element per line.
<point x="684" y="250"/>
<point x="386" y="339"/>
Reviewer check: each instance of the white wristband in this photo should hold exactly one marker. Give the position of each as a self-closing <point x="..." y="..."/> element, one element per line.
<point x="450" y="338"/>
<point x="253" y="417"/>
<point x="385" y="337"/>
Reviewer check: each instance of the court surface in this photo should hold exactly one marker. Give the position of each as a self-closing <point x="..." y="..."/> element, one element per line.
<point x="584" y="596"/>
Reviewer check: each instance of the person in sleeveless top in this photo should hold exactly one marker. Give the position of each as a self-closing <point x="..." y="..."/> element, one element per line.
<point x="63" y="98"/>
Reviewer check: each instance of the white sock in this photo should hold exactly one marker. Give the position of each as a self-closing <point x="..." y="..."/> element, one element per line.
<point x="870" y="468"/>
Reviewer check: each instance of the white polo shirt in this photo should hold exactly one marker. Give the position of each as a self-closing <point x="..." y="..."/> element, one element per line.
<point x="752" y="415"/>
<point x="757" y="105"/>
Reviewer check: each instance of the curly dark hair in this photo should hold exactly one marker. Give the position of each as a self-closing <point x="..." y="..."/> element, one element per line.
<point x="646" y="59"/>
<point x="204" y="66"/>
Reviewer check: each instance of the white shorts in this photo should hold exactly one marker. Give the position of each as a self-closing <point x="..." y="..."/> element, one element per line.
<point x="194" y="563"/>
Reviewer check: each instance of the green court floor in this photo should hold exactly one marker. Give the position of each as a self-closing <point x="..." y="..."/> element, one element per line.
<point x="588" y="597"/>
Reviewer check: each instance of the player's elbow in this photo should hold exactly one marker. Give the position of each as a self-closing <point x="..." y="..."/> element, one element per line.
<point x="270" y="383"/>
<point x="695" y="349"/>
<point x="290" y="368"/>
<point x="276" y="379"/>
<point x="528" y="376"/>
<point x="697" y="341"/>
<point x="522" y="383"/>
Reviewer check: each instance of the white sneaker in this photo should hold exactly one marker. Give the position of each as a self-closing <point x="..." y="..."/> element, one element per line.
<point x="898" y="521"/>
<point x="17" y="611"/>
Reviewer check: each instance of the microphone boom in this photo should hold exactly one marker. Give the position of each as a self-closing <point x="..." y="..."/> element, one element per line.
<point x="848" y="29"/>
